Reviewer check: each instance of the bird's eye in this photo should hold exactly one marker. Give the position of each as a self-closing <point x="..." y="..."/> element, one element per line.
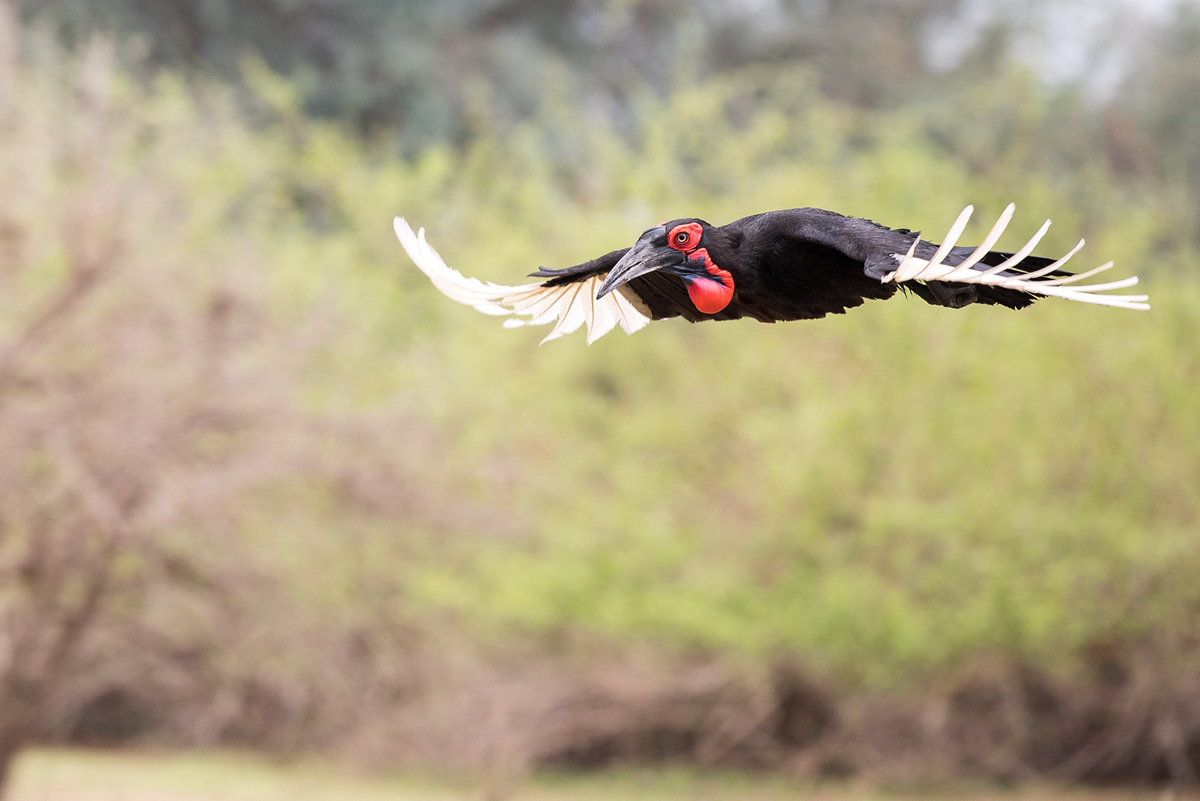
<point x="685" y="237"/>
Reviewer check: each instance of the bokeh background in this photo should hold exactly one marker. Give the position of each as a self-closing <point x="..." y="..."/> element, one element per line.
<point x="262" y="487"/>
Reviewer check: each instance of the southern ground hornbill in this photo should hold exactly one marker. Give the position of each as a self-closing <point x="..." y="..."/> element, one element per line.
<point x="797" y="264"/>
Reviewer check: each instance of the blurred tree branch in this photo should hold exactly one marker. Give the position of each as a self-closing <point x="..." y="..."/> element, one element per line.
<point x="125" y="412"/>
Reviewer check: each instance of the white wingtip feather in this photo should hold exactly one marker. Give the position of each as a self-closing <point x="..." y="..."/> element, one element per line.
<point x="571" y="305"/>
<point x="915" y="269"/>
<point x="951" y="240"/>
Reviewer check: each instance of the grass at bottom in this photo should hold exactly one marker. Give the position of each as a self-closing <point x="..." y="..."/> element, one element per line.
<point x="83" y="775"/>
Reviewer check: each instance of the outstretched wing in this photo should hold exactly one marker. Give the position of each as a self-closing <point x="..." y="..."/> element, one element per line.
<point x="569" y="297"/>
<point x="830" y="254"/>
<point x="952" y="265"/>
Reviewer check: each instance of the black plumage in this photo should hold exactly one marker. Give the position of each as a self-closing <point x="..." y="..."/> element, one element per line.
<point x="802" y="264"/>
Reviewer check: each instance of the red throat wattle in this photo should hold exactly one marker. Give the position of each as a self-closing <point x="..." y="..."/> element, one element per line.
<point x="709" y="295"/>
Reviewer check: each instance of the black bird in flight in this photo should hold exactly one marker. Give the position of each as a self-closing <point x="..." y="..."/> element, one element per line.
<point x="797" y="264"/>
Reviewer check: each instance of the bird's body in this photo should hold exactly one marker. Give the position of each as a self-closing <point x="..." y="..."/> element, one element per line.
<point x="794" y="264"/>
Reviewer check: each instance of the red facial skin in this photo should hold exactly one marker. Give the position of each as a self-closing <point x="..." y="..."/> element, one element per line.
<point x="685" y="237"/>
<point x="709" y="295"/>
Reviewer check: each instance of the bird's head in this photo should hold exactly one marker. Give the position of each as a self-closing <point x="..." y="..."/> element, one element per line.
<point x="680" y="248"/>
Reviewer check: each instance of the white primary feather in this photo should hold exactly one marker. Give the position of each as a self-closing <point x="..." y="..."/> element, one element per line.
<point x="912" y="268"/>
<point x="572" y="305"/>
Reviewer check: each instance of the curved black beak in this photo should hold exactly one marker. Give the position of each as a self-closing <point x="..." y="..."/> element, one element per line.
<point x="648" y="254"/>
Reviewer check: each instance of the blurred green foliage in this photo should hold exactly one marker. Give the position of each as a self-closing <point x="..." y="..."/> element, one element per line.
<point x="410" y="65"/>
<point x="880" y="495"/>
<point x="411" y="71"/>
